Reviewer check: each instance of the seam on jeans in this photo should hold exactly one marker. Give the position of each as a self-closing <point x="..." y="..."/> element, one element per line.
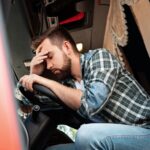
<point x="130" y="136"/>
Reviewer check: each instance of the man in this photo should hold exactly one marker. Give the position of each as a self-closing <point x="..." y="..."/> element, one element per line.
<point x="105" y="93"/>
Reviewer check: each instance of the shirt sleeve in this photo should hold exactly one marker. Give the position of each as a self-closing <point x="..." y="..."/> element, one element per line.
<point x="100" y="77"/>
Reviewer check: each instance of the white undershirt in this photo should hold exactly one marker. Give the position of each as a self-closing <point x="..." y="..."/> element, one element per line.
<point x="80" y="85"/>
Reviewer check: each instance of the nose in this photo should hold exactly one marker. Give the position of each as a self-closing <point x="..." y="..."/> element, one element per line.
<point x="49" y="65"/>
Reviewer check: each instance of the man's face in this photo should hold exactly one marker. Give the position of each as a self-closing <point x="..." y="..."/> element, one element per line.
<point x="57" y="61"/>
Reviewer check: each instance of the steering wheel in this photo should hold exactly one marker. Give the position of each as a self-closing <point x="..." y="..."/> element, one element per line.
<point x="42" y="96"/>
<point x="46" y="91"/>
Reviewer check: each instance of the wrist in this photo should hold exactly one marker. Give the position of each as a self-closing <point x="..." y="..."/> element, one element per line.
<point x="36" y="78"/>
<point x="35" y="71"/>
<point x="31" y="70"/>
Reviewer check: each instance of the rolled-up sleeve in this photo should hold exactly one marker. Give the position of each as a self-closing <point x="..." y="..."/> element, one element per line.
<point x="93" y="98"/>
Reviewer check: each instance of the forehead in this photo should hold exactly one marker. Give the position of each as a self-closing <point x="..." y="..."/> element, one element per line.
<point x="45" y="45"/>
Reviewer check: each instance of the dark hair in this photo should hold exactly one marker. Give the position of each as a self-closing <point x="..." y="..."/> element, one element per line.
<point x="56" y="35"/>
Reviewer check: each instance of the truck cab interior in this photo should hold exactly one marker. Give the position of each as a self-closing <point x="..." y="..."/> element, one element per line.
<point x="115" y="25"/>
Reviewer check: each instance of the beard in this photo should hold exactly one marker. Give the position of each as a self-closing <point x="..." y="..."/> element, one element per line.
<point x="65" y="71"/>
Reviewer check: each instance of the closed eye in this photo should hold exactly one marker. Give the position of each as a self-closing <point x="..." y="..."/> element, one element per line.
<point x="50" y="55"/>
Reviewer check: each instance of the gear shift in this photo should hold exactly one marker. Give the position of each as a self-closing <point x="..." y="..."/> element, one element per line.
<point x="35" y="112"/>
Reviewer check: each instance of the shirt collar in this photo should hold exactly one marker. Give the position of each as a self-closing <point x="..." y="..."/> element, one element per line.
<point x="82" y="59"/>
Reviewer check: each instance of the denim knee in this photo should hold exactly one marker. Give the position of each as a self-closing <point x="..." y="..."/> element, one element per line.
<point x="88" y="131"/>
<point x="108" y="136"/>
<point x="87" y="139"/>
<point x="82" y="138"/>
<point x="82" y="134"/>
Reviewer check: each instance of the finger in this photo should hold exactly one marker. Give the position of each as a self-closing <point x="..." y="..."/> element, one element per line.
<point x="41" y="53"/>
<point x="29" y="83"/>
<point x="22" y="78"/>
<point x="38" y="60"/>
<point x="30" y="86"/>
<point x="41" y="57"/>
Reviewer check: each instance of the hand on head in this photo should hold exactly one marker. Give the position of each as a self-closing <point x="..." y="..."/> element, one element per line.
<point x="38" y="63"/>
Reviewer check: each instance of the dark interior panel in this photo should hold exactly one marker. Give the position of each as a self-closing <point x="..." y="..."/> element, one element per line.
<point x="72" y="14"/>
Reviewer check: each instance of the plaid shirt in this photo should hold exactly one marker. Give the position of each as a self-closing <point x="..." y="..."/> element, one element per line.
<point x="111" y="92"/>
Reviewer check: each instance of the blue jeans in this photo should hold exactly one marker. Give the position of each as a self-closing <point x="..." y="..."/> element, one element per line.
<point x="62" y="147"/>
<point x="102" y="136"/>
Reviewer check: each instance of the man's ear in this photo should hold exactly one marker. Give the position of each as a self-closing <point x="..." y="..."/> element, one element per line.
<point x="67" y="48"/>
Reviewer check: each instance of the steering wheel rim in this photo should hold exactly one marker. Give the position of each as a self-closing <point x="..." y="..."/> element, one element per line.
<point x="40" y="90"/>
<point x="45" y="91"/>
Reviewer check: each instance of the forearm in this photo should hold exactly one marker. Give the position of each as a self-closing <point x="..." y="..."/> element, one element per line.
<point x="35" y="71"/>
<point x="71" y="97"/>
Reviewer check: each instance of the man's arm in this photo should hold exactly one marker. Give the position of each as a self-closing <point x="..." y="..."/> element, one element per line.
<point x="71" y="97"/>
